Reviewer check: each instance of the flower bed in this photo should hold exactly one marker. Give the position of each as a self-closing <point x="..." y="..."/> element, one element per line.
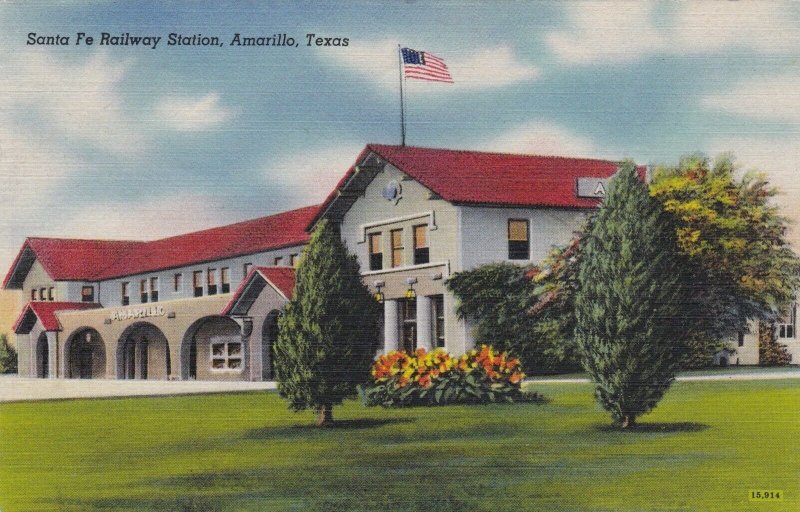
<point x="436" y="378"/>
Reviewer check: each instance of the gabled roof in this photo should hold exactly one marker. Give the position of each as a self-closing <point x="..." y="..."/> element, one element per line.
<point x="473" y="177"/>
<point x="45" y="312"/>
<point x="281" y="279"/>
<point x="96" y="260"/>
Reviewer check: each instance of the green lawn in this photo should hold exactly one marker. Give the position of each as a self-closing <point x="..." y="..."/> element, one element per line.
<point x="704" y="448"/>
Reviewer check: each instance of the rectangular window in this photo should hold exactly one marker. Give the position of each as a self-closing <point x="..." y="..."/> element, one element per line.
<point x="518" y="243"/>
<point x="51" y="293"/>
<point x="197" y="282"/>
<point x="278" y="261"/>
<point x="143" y="291"/>
<point x="788" y="329"/>
<point x="226" y="355"/>
<point x="421" y="251"/>
<point x="43" y="293"/>
<point x="741" y="338"/>
<point x="212" y="281"/>
<point x="375" y="251"/>
<point x="408" y="324"/>
<point x="34" y="294"/>
<point x="153" y="289"/>
<point x="87" y="294"/>
<point x="126" y="293"/>
<point x="246" y="269"/>
<point x="438" y="320"/>
<point x="294" y="260"/>
<point x="397" y="247"/>
<point x="177" y="283"/>
<point x="225" y="276"/>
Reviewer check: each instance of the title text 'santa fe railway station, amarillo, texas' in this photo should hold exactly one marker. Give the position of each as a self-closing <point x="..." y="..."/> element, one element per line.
<point x="204" y="305"/>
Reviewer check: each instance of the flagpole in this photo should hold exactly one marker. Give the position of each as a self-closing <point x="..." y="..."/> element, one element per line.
<point x="402" y="106"/>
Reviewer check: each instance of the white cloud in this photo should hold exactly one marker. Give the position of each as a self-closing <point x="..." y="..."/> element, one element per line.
<point x="80" y="100"/>
<point x="775" y="97"/>
<point x="628" y="31"/>
<point x="146" y="220"/>
<point x="542" y="139"/>
<point x="308" y="177"/>
<point x="377" y="62"/>
<point x="192" y="114"/>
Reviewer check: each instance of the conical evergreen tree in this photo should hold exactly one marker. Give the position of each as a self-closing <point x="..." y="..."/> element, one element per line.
<point x="632" y="302"/>
<point x="328" y="332"/>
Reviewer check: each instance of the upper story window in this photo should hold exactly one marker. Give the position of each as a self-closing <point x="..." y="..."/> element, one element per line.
<point x="518" y="242"/>
<point x="87" y="294"/>
<point x="421" y="251"/>
<point x="788" y="329"/>
<point x="212" y="281"/>
<point x="154" y="289"/>
<point x="278" y="261"/>
<point x="246" y="269"/>
<point x="177" y="282"/>
<point x="43" y="293"/>
<point x="197" y="283"/>
<point x="143" y="291"/>
<point x="397" y="247"/>
<point x="294" y="260"/>
<point x="375" y="251"/>
<point x="225" y="277"/>
<point x="51" y="293"/>
<point x="34" y="294"/>
<point x="126" y="293"/>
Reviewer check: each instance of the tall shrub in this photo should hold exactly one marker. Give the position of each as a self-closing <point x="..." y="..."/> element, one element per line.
<point x="631" y="302"/>
<point x="328" y="332"/>
<point x="8" y="356"/>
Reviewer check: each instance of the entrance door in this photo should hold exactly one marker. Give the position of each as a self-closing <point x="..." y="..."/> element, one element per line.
<point x="143" y="361"/>
<point x="43" y="357"/>
<point x="85" y="361"/>
<point x="408" y="325"/>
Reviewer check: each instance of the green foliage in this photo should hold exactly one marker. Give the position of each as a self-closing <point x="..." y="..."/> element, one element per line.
<point x="735" y="241"/>
<point x="501" y="296"/>
<point x="328" y="332"/>
<point x="632" y="302"/>
<point x="770" y="352"/>
<point x="8" y="356"/>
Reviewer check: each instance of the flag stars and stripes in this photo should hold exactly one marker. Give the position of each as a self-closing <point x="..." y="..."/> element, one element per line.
<point x="425" y="66"/>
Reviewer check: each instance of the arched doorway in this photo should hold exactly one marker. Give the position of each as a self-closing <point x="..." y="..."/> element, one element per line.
<point x="269" y="333"/>
<point x="85" y="355"/>
<point x="42" y="357"/>
<point x="143" y="353"/>
<point x="212" y="349"/>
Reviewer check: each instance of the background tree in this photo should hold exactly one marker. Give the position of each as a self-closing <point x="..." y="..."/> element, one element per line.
<point x="521" y="310"/>
<point x="735" y="241"/>
<point x="328" y="332"/>
<point x="632" y="301"/>
<point x="8" y="356"/>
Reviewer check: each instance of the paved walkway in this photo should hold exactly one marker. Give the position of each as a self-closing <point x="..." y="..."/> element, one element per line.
<point x="756" y="375"/>
<point x="18" y="389"/>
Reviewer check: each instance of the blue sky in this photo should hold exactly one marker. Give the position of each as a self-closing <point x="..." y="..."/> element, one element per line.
<point x="127" y="142"/>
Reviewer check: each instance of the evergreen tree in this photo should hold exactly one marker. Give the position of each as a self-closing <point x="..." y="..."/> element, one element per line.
<point x="770" y="352"/>
<point x="632" y="302"/>
<point x="328" y="332"/>
<point x="8" y="356"/>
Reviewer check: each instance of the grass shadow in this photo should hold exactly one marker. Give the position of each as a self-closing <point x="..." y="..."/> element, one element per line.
<point x="304" y="430"/>
<point x="655" y="428"/>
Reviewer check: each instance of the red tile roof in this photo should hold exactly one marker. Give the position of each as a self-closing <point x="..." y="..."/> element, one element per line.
<point x="475" y="177"/>
<point x="280" y="278"/>
<point x="46" y="313"/>
<point x="95" y="260"/>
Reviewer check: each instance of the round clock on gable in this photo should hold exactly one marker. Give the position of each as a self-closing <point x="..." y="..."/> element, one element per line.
<point x="392" y="191"/>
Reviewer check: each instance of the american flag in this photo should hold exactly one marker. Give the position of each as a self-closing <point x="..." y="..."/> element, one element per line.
<point x="425" y="66"/>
